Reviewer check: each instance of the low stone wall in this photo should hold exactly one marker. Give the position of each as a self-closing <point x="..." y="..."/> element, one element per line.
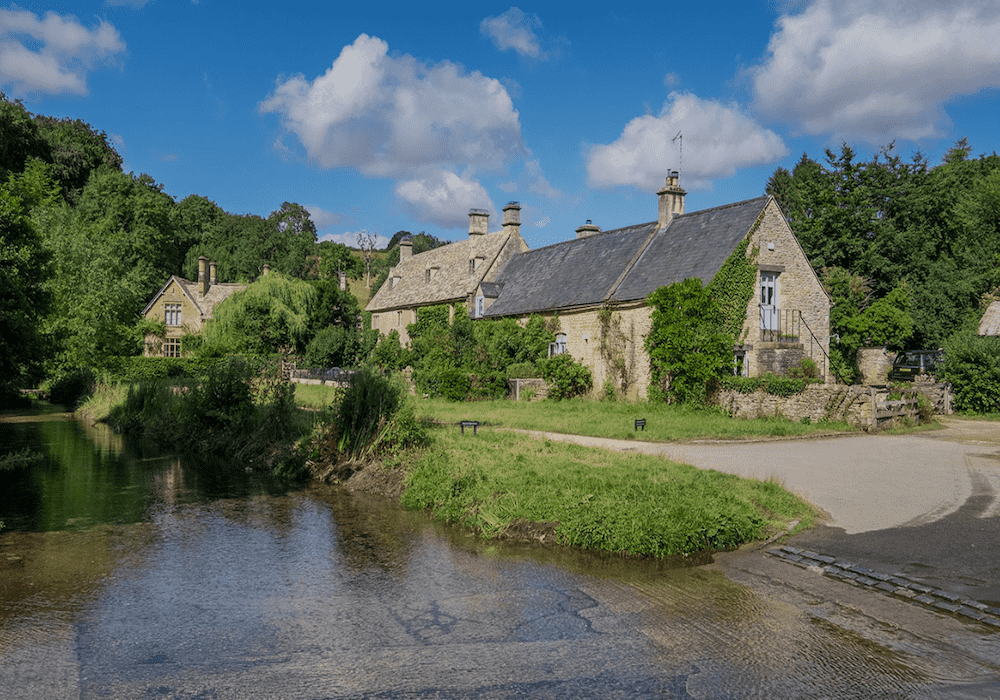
<point x="517" y="388"/>
<point x="854" y="404"/>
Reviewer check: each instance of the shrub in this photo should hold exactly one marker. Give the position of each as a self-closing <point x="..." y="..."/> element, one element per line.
<point x="71" y="387"/>
<point x="566" y="377"/>
<point x="522" y="370"/>
<point x="454" y="384"/>
<point x="770" y="383"/>
<point x="972" y="366"/>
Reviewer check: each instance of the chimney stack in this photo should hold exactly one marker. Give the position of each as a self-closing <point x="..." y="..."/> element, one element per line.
<point x="512" y="218"/>
<point x="479" y="222"/>
<point x="267" y="268"/>
<point x="405" y="249"/>
<point x="343" y="280"/>
<point x="671" y="200"/>
<point x="202" y="275"/>
<point x="588" y="229"/>
<point x="211" y="273"/>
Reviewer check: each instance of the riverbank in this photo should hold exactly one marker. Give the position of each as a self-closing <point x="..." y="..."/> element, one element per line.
<point x="506" y="485"/>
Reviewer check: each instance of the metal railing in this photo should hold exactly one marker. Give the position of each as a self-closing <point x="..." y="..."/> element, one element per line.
<point x="780" y="325"/>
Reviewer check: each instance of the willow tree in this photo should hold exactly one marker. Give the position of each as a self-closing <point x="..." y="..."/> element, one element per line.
<point x="269" y="316"/>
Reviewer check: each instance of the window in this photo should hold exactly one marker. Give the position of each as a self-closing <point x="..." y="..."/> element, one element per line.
<point x="172" y="314"/>
<point x="172" y="347"/>
<point x="480" y="306"/>
<point x="399" y="318"/>
<point x="558" y="347"/>
<point x="740" y="363"/>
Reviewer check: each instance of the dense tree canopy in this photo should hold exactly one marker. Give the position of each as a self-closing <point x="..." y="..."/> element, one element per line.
<point x="889" y="223"/>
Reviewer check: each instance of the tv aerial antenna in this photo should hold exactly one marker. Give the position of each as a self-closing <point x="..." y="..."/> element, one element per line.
<point x="680" y="138"/>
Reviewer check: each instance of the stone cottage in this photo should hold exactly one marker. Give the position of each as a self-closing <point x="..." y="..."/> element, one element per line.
<point x="598" y="283"/>
<point x="184" y="307"/>
<point x="450" y="274"/>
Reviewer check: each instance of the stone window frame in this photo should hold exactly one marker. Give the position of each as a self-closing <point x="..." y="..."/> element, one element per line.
<point x="172" y="314"/>
<point x="171" y="347"/>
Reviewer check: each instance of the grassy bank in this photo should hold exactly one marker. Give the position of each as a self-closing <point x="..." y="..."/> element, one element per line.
<point x="609" y="501"/>
<point x="617" y="420"/>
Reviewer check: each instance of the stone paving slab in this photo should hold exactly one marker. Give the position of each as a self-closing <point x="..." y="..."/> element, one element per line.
<point x="896" y="584"/>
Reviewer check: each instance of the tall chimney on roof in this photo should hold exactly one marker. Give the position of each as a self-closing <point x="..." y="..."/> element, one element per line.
<point x="479" y="222"/>
<point x="512" y="218"/>
<point x="405" y="249"/>
<point x="211" y="273"/>
<point x="267" y="268"/>
<point x="202" y="275"/>
<point x="671" y="200"/>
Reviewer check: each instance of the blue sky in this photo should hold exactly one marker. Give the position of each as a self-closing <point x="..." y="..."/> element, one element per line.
<point x="404" y="116"/>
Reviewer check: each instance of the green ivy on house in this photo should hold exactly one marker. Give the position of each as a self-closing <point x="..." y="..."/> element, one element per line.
<point x="733" y="285"/>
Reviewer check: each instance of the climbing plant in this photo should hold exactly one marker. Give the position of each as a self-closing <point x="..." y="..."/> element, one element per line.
<point x="733" y="286"/>
<point x="612" y="349"/>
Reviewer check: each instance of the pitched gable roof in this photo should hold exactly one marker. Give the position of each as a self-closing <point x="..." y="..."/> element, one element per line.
<point x="692" y="245"/>
<point x="990" y="322"/>
<point x="573" y="273"/>
<point x="217" y="293"/>
<point x="625" y="264"/>
<point x="451" y="277"/>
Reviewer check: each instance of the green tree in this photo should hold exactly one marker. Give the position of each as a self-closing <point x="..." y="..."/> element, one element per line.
<point x="75" y="150"/>
<point x="337" y="257"/>
<point x="686" y="345"/>
<point x="24" y="270"/>
<point x="269" y="316"/>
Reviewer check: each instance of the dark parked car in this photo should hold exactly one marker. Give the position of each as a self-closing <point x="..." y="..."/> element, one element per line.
<point x="912" y="363"/>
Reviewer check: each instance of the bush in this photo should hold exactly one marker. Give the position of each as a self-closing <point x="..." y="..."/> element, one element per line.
<point x="770" y="383"/>
<point x="566" y="377"/>
<point x="72" y="387"/>
<point x="334" y="346"/>
<point x="454" y="384"/>
<point x="972" y="366"/>
<point x="522" y="370"/>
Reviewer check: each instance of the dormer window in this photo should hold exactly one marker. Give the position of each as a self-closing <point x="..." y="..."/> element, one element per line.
<point x="475" y="262"/>
<point x="394" y="281"/>
<point x="431" y="273"/>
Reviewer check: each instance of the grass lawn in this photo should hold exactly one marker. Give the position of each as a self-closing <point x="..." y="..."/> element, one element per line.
<point x="610" y="501"/>
<point x="617" y="420"/>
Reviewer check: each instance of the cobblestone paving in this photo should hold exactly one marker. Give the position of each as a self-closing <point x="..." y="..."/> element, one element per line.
<point x="896" y="585"/>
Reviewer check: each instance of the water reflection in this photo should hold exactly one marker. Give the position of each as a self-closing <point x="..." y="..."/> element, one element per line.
<point x="130" y="573"/>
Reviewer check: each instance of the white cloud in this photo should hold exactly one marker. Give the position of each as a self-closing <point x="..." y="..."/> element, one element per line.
<point x="327" y="219"/>
<point x="394" y="116"/>
<point x="443" y="198"/>
<point x="515" y="30"/>
<point x="717" y="140"/>
<point x="67" y="51"/>
<point x="531" y="180"/>
<point x="878" y="70"/>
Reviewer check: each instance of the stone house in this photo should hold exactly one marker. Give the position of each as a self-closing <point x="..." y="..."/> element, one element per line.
<point x="450" y="274"/>
<point x="184" y="307"/>
<point x="598" y="283"/>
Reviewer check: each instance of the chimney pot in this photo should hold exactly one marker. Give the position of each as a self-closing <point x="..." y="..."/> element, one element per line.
<point x="671" y="200"/>
<point x="588" y="229"/>
<point x="479" y="222"/>
<point x="202" y="275"/>
<point x="512" y="218"/>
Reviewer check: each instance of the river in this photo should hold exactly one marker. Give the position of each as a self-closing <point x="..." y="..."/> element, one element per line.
<point x="127" y="573"/>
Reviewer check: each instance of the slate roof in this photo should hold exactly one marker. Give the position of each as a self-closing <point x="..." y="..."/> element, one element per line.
<point x="573" y="273"/>
<point x="491" y="290"/>
<point x="692" y="245"/>
<point x="450" y="281"/>
<point x="217" y="293"/>
<point x="625" y="264"/>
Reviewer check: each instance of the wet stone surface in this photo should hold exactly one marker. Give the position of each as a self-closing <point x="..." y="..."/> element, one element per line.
<point x="895" y="584"/>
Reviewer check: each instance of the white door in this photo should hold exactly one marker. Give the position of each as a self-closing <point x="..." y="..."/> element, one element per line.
<point x="769" y="301"/>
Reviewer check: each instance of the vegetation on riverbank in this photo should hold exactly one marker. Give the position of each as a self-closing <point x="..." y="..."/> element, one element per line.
<point x="500" y="482"/>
